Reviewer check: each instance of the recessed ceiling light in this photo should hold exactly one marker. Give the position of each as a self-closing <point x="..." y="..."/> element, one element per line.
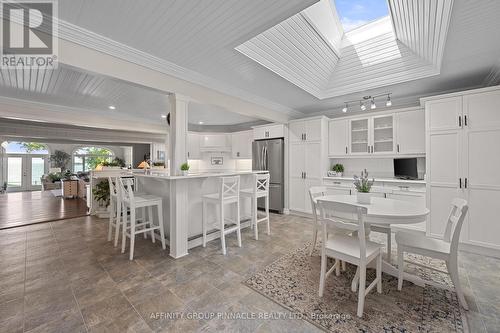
<point x="164" y="116"/>
<point x="344" y="109"/>
<point x="111" y="107"/>
<point x="200" y="122"/>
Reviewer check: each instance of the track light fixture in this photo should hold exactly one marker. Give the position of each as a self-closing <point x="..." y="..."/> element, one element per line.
<point x="363" y="102"/>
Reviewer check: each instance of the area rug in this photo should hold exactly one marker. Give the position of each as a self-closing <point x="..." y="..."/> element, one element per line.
<point x="292" y="281"/>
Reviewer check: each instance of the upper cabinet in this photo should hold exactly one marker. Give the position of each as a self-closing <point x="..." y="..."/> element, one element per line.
<point x="215" y="142"/>
<point x="338" y="137"/>
<point x="444" y="114"/>
<point x="385" y="134"/>
<point x="410" y="132"/>
<point x="241" y="145"/>
<point x="193" y="146"/>
<point x="305" y="130"/>
<point x="272" y="131"/>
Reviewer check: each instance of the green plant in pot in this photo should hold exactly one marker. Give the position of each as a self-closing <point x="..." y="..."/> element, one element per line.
<point x="185" y="168"/>
<point x="363" y="186"/>
<point x="337" y="170"/>
<point x="60" y="159"/>
<point x="101" y="193"/>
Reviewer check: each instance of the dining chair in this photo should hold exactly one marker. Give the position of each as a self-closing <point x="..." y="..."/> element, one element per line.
<point x="357" y="250"/>
<point x="445" y="249"/>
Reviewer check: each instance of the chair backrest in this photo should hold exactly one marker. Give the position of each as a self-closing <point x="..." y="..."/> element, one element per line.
<point x="125" y="189"/>
<point x="261" y="183"/>
<point x="113" y="188"/>
<point x="344" y="216"/>
<point x="316" y="192"/>
<point x="229" y="187"/>
<point x="455" y="221"/>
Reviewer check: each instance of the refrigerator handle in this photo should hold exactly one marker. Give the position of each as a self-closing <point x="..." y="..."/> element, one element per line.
<point x="266" y="157"/>
<point x="262" y="158"/>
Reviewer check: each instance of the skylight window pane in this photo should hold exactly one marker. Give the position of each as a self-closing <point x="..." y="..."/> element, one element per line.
<point x="355" y="13"/>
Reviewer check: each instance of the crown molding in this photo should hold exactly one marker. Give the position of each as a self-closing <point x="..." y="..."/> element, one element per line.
<point x="493" y="77"/>
<point x="94" y="41"/>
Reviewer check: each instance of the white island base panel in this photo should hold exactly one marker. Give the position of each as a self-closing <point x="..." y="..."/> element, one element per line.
<point x="182" y="206"/>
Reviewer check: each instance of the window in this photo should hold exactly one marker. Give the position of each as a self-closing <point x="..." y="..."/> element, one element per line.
<point x="355" y="13"/>
<point x="87" y="158"/>
<point x="13" y="147"/>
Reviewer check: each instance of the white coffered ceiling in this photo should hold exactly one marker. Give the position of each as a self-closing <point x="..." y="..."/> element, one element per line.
<point x="202" y="42"/>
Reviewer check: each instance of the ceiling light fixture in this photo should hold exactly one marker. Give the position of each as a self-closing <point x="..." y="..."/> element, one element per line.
<point x="111" y="107"/>
<point x="389" y="102"/>
<point x="362" y="106"/>
<point x="373" y="106"/>
<point x="344" y="109"/>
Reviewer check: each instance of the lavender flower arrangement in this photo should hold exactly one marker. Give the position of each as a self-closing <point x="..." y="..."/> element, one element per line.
<point x="363" y="184"/>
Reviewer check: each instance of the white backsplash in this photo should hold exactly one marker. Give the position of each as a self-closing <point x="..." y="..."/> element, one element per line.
<point x="377" y="167"/>
<point x="230" y="164"/>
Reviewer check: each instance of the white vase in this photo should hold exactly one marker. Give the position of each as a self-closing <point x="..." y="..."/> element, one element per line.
<point x="364" y="198"/>
<point x="185" y="173"/>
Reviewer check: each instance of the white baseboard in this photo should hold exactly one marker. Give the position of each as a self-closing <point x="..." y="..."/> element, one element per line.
<point x="481" y="250"/>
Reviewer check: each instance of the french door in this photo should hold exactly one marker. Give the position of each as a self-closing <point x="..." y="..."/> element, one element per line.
<point x="24" y="171"/>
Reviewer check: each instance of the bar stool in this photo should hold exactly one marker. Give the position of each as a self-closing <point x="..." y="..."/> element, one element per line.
<point x="229" y="194"/>
<point x="115" y="210"/>
<point x="260" y="189"/>
<point x="132" y="227"/>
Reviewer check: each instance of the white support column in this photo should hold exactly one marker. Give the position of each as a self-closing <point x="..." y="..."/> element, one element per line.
<point x="177" y="147"/>
<point x="179" y="219"/>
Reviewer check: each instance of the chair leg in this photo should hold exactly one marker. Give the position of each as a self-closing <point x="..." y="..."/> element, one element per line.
<point x="132" y="232"/>
<point x="238" y="231"/>
<point x="160" y="223"/>
<point x="315" y="238"/>
<point x="204" y="222"/>
<point x="361" y="291"/>
<point x="322" y="274"/>
<point x="251" y="213"/>
<point x="354" y="284"/>
<point x="143" y="215"/>
<point x="337" y="267"/>
<point x="267" y="216"/>
<point x="389" y="248"/>
<point x="256" y="230"/>
<point x="222" y="232"/>
<point x="400" y="266"/>
<point x="118" y="222"/>
<point x="111" y="218"/>
<point x="124" y="228"/>
<point x="151" y="222"/>
<point x="343" y="266"/>
<point x="453" y="269"/>
<point x="379" y="273"/>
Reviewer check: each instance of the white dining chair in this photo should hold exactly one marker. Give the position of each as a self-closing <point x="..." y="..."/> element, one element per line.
<point x="229" y="194"/>
<point x="259" y="189"/>
<point x="445" y="249"/>
<point x="356" y="250"/>
<point x="314" y="193"/>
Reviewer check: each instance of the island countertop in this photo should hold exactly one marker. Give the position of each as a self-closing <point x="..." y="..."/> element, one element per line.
<point x="164" y="175"/>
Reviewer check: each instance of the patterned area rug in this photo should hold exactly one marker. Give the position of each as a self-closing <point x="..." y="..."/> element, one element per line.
<point x="292" y="281"/>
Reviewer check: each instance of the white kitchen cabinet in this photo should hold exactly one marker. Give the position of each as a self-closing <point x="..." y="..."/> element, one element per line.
<point x="193" y="145"/>
<point x="359" y="136"/>
<point x="462" y="161"/>
<point x="269" y="131"/>
<point x="410" y="132"/>
<point x="241" y="145"/>
<point x="215" y="142"/>
<point x="382" y="134"/>
<point x="307" y="160"/>
<point x="338" y="137"/>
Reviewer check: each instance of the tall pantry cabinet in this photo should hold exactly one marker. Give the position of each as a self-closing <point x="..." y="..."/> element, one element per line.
<point x="463" y="160"/>
<point x="308" y="162"/>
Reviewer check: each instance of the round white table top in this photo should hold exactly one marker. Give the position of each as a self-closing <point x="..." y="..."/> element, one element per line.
<point x="383" y="210"/>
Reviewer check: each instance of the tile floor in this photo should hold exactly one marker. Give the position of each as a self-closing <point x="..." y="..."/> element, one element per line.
<point x="65" y="277"/>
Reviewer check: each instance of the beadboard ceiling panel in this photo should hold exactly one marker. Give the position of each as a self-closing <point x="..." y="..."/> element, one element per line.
<point x="422" y="25"/>
<point x="296" y="51"/>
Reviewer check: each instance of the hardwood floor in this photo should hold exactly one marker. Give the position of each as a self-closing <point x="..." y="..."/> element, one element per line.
<point x="24" y="208"/>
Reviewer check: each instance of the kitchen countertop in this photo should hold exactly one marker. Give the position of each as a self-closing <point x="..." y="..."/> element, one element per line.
<point x="383" y="180"/>
<point x="194" y="175"/>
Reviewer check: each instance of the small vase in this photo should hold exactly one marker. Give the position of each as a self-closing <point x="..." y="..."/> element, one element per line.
<point x="364" y="198"/>
<point x="185" y="173"/>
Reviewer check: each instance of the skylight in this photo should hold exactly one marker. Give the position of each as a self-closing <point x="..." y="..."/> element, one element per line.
<point x="355" y="13"/>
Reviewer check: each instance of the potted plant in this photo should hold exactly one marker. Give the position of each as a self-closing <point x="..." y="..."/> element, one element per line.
<point x="184" y="168"/>
<point x="337" y="170"/>
<point x="363" y="186"/>
<point x="101" y="193"/>
<point x="60" y="159"/>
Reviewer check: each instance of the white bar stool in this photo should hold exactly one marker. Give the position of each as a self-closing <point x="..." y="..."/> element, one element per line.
<point x="229" y="194"/>
<point x="260" y="189"/>
<point x="132" y="227"/>
<point x="115" y="210"/>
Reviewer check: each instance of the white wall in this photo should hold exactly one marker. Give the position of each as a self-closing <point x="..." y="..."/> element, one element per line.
<point x="376" y="167"/>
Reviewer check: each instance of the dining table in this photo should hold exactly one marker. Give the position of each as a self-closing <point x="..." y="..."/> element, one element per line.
<point x="385" y="211"/>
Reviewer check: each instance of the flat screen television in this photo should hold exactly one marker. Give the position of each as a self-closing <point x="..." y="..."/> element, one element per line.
<point x="405" y="168"/>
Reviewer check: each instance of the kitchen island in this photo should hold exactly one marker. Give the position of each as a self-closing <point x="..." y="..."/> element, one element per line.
<point x="182" y="204"/>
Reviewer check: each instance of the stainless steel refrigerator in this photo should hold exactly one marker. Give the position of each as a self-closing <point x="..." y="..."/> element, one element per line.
<point x="270" y="155"/>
